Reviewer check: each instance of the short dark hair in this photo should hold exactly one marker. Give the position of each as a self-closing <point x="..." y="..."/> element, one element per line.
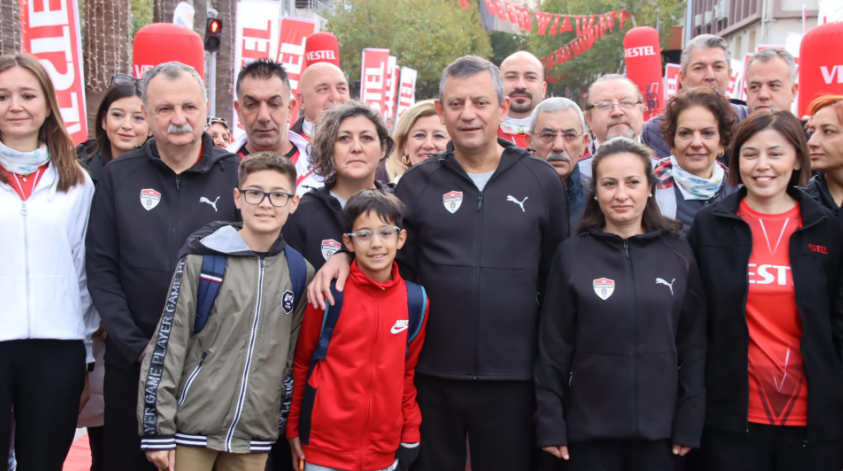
<point x="263" y="69"/>
<point x="118" y="91"/>
<point x="321" y="157"/>
<point x="786" y="124"/>
<point x="386" y="205"/>
<point x="266" y="161"/>
<point x="652" y="219"/>
<point x="705" y="98"/>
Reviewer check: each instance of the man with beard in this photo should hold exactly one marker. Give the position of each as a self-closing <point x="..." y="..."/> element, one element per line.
<point x="263" y="105"/>
<point x="146" y="205"/>
<point x="614" y="108"/>
<point x="705" y="62"/>
<point x="523" y="83"/>
<point x="557" y="133"/>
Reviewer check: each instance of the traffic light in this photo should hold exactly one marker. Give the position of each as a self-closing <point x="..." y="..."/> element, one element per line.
<point x="213" y="34"/>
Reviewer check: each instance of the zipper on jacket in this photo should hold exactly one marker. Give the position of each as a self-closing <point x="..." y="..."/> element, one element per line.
<point x="191" y="378"/>
<point x="626" y="248"/>
<point x="174" y="245"/>
<point x="570" y="378"/>
<point x="365" y="432"/>
<point x="479" y="201"/>
<point x="476" y="374"/>
<point x="635" y="312"/>
<point x="244" y="380"/>
<point x="23" y="213"/>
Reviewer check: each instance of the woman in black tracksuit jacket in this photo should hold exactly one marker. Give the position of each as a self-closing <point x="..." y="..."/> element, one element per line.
<point x="619" y="381"/>
<point x="758" y="417"/>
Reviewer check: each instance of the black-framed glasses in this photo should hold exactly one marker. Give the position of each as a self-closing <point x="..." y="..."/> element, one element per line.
<point x="568" y="136"/>
<point x="365" y="236"/>
<point x="279" y="199"/>
<point x="605" y="106"/>
<point x="124" y="78"/>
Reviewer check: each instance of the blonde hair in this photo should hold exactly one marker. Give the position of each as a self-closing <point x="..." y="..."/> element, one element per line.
<point x="53" y="132"/>
<point x="396" y="165"/>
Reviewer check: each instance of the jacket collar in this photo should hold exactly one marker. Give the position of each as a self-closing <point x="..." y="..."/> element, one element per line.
<point x="223" y="238"/>
<point x="371" y="286"/>
<point x="822" y="190"/>
<point x="812" y="212"/>
<point x="614" y="239"/>
<point x="210" y="154"/>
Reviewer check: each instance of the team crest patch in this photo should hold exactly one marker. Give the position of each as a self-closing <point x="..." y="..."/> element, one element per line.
<point x="604" y="288"/>
<point x="452" y="201"/>
<point x="150" y="199"/>
<point x="287" y="301"/>
<point x="330" y="247"/>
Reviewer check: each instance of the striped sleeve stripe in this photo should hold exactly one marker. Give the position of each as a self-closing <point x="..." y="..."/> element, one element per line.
<point x="211" y="278"/>
<point x="158" y="440"/>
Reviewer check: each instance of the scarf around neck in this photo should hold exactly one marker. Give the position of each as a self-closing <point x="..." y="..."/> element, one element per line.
<point x="693" y="187"/>
<point x="23" y="163"/>
<point x="516" y="125"/>
<point x="308" y="128"/>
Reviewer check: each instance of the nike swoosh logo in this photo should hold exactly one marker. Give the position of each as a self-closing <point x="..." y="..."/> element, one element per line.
<point x="399" y="329"/>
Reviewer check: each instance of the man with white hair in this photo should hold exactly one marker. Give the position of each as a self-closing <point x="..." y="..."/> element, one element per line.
<point x="147" y="203"/>
<point x="705" y="62"/>
<point x="557" y="133"/>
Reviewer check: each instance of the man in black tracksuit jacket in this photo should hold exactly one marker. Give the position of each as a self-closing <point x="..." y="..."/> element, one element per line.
<point x="315" y="229"/>
<point x="483" y="257"/>
<point x="141" y="215"/>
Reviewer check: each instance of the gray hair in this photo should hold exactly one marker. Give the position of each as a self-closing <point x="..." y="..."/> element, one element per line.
<point x="552" y="105"/>
<point x="607" y="78"/>
<point x="704" y="41"/>
<point x="171" y="70"/>
<point x="468" y="66"/>
<point x="767" y="55"/>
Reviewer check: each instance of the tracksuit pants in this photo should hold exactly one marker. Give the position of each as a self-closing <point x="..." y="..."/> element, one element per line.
<point x="621" y="455"/>
<point x="122" y="443"/>
<point x="496" y="416"/>
<point x="41" y="382"/>
<point x="768" y="448"/>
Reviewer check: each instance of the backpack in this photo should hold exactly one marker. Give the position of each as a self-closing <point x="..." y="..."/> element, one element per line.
<point x="416" y="307"/>
<point x="213" y="271"/>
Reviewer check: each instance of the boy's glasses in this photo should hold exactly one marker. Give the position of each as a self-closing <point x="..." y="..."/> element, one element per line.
<point x="279" y="199"/>
<point x="365" y="236"/>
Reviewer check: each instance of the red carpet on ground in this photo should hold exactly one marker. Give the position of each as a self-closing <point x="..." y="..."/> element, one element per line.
<point x="79" y="458"/>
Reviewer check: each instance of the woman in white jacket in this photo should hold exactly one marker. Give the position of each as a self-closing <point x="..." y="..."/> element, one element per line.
<point x="46" y="315"/>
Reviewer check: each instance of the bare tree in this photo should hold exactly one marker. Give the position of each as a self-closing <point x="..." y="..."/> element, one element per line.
<point x="107" y="49"/>
<point x="225" y="59"/>
<point x="10" y="33"/>
<point x="162" y="11"/>
<point x="200" y="18"/>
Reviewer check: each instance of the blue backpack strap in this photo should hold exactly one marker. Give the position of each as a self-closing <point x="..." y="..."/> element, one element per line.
<point x="329" y="321"/>
<point x="210" y="281"/>
<point x="298" y="272"/>
<point x="416" y="308"/>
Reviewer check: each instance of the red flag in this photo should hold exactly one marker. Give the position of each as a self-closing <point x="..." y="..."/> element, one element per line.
<point x="490" y="5"/>
<point x="555" y="22"/>
<point x="542" y="22"/>
<point x="373" y="78"/>
<point x="406" y="90"/>
<point x="291" y="48"/>
<point x="464" y="4"/>
<point x="566" y="25"/>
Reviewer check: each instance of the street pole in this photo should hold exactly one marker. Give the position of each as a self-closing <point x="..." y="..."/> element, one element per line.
<point x="689" y="21"/>
<point x="212" y="83"/>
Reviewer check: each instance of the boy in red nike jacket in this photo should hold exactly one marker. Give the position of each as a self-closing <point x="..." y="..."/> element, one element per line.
<point x="356" y="410"/>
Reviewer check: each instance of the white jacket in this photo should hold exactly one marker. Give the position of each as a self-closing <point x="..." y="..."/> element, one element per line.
<point x="43" y="287"/>
<point x="306" y="178"/>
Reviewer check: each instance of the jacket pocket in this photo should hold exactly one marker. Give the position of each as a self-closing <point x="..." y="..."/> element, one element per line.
<point x="191" y="378"/>
<point x="306" y="414"/>
<point x="600" y="400"/>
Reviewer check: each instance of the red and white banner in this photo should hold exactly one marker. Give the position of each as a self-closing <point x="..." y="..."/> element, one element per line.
<point x="642" y="54"/>
<point x="736" y="80"/>
<point x="671" y="81"/>
<point x="291" y="48"/>
<point x="255" y="37"/>
<point x="50" y="32"/>
<point x="373" y="78"/>
<point x="552" y="23"/>
<point x="406" y="90"/>
<point x="322" y="47"/>
<point x="587" y="33"/>
<point x="391" y="88"/>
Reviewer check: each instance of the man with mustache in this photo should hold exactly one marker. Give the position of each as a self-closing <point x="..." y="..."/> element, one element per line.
<point x="146" y="205"/>
<point x="705" y="62"/>
<point x="523" y="83"/>
<point x="264" y="103"/>
<point x="557" y="133"/>
<point x="614" y="108"/>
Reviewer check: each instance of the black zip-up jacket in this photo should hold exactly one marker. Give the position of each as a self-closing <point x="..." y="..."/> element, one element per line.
<point x="722" y="244"/>
<point x="483" y="258"/>
<point x="315" y="229"/>
<point x="818" y="190"/>
<point x="141" y="216"/>
<point x="622" y="342"/>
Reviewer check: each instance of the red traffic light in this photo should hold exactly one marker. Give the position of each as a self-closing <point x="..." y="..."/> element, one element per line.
<point x="214" y="26"/>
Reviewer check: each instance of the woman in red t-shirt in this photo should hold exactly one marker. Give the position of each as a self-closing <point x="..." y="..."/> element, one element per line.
<point x="770" y="258"/>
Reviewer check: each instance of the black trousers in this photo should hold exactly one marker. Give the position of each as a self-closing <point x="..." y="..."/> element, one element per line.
<point x="96" y="435"/>
<point x="281" y="457"/>
<point x="122" y="443"/>
<point x="632" y="455"/>
<point x="496" y="416"/>
<point x="769" y="448"/>
<point x="42" y="382"/>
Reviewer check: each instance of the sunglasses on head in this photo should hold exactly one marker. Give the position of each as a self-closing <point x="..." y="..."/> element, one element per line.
<point x="124" y="78"/>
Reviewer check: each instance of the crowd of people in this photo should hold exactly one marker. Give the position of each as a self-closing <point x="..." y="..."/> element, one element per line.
<point x="507" y="263"/>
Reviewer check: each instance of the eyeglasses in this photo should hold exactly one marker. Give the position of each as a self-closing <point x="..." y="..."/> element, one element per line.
<point x="124" y="78"/>
<point x="605" y="106"/>
<point x="279" y="199"/>
<point x="549" y="137"/>
<point x="365" y="236"/>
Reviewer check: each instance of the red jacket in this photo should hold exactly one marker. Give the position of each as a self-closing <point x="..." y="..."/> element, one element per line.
<point x="360" y="403"/>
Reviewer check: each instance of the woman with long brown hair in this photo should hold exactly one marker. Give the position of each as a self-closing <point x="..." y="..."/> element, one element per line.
<point x="46" y="316"/>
